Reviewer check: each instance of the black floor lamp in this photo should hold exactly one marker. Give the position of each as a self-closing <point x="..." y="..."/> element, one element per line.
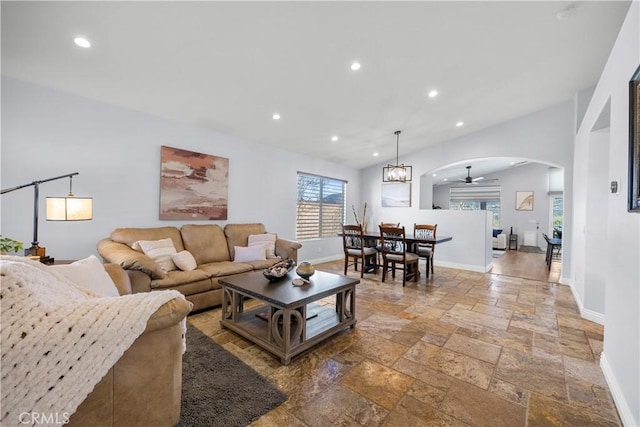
<point x="69" y="208"/>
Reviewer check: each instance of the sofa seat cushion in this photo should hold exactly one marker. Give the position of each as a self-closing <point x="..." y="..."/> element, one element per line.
<point x="178" y="277"/>
<point x="258" y="265"/>
<point x="189" y="289"/>
<point x="206" y="242"/>
<point x="225" y="268"/>
<point x="129" y="236"/>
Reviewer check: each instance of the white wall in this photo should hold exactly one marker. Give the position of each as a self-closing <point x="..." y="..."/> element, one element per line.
<point x="46" y="133"/>
<point x="619" y="252"/>
<point x="545" y="137"/>
<point x="597" y="193"/>
<point x="530" y="177"/>
<point x="471" y="248"/>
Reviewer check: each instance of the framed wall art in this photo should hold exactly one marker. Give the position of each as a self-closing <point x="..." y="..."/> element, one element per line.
<point x="397" y="195"/>
<point x="634" y="143"/>
<point x="524" y="200"/>
<point x="193" y="186"/>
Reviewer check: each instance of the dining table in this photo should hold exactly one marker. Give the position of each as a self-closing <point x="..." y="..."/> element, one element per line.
<point x="371" y="238"/>
<point x="374" y="235"/>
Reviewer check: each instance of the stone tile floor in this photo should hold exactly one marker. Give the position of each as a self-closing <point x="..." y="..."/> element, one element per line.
<point x="457" y="349"/>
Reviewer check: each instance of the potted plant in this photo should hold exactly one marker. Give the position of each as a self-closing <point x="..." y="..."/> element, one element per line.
<point x="9" y="246"/>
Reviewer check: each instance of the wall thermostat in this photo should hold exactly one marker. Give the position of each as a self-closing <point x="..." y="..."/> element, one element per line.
<point x="614" y="187"/>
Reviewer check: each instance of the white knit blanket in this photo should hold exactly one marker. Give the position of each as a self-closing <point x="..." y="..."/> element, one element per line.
<point x="59" y="340"/>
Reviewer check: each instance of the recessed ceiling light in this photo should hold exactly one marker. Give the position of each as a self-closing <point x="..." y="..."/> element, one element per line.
<point x="435" y="174"/>
<point x="355" y="66"/>
<point x="82" y="42"/>
<point x="276" y="116"/>
<point x="334" y="138"/>
<point x="459" y="124"/>
<point x="445" y="179"/>
<point x="376" y="154"/>
<point x="433" y="93"/>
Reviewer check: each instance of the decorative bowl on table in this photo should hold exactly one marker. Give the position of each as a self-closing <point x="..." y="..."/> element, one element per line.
<point x="278" y="270"/>
<point x="305" y="270"/>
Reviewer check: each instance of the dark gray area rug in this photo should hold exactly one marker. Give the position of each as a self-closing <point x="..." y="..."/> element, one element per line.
<point x="218" y="389"/>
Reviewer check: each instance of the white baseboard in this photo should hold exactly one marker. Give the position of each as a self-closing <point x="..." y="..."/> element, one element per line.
<point x="459" y="266"/>
<point x="618" y="397"/>
<point x="437" y="264"/>
<point x="594" y="316"/>
<point x="587" y="314"/>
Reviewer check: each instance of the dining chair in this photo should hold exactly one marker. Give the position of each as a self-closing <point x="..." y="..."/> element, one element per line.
<point x="354" y="248"/>
<point x="423" y="249"/>
<point x="390" y="224"/>
<point x="385" y="224"/>
<point x="395" y="256"/>
<point x="552" y="245"/>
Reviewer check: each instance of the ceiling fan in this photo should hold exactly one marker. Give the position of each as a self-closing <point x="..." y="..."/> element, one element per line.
<point x="469" y="179"/>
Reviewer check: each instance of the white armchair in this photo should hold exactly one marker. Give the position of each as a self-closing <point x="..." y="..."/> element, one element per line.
<point x="500" y="242"/>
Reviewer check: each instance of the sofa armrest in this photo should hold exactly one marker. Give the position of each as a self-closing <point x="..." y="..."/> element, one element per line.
<point x="169" y="314"/>
<point x="127" y="258"/>
<point x="287" y="249"/>
<point x="140" y="281"/>
<point x="119" y="277"/>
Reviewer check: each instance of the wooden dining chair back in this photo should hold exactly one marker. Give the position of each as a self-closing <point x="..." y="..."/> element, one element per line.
<point x="423" y="249"/>
<point x="390" y="224"/>
<point x="393" y="247"/>
<point x="354" y="248"/>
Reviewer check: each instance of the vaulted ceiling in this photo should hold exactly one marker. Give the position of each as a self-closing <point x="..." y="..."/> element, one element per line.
<point x="230" y="66"/>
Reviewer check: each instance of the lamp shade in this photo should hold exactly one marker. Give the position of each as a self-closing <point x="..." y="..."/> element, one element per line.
<point x="69" y="208"/>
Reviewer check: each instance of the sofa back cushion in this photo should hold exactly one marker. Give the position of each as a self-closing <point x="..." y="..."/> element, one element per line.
<point x="129" y="236"/>
<point x="238" y="234"/>
<point x="206" y="242"/>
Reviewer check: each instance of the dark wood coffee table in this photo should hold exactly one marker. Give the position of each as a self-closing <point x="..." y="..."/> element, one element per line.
<point x="287" y="321"/>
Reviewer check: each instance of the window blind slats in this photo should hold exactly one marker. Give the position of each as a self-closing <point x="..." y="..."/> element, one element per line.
<point x="475" y="193"/>
<point x="321" y="206"/>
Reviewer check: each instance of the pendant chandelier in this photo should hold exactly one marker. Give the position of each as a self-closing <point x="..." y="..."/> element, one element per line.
<point x="397" y="172"/>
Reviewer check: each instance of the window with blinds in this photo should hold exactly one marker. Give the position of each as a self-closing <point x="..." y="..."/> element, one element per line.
<point x="321" y="206"/>
<point x="486" y="198"/>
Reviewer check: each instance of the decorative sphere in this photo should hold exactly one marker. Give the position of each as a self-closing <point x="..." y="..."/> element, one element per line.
<point x="305" y="270"/>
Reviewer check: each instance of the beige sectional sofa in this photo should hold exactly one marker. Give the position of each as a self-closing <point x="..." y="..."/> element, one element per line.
<point x="212" y="247"/>
<point x="144" y="387"/>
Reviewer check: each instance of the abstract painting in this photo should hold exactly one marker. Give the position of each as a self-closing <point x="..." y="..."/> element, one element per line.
<point x="193" y="186"/>
<point x="524" y="200"/>
<point x="396" y="195"/>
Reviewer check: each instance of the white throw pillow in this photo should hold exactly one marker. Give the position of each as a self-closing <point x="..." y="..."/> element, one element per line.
<point x="89" y="273"/>
<point x="249" y="253"/>
<point x="160" y="251"/>
<point x="267" y="239"/>
<point x="184" y="261"/>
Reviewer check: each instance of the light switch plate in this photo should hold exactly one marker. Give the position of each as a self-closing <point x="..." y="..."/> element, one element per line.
<point x="615" y="186"/>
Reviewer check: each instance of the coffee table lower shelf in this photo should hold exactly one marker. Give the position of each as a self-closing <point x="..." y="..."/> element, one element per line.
<point x="308" y="325"/>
